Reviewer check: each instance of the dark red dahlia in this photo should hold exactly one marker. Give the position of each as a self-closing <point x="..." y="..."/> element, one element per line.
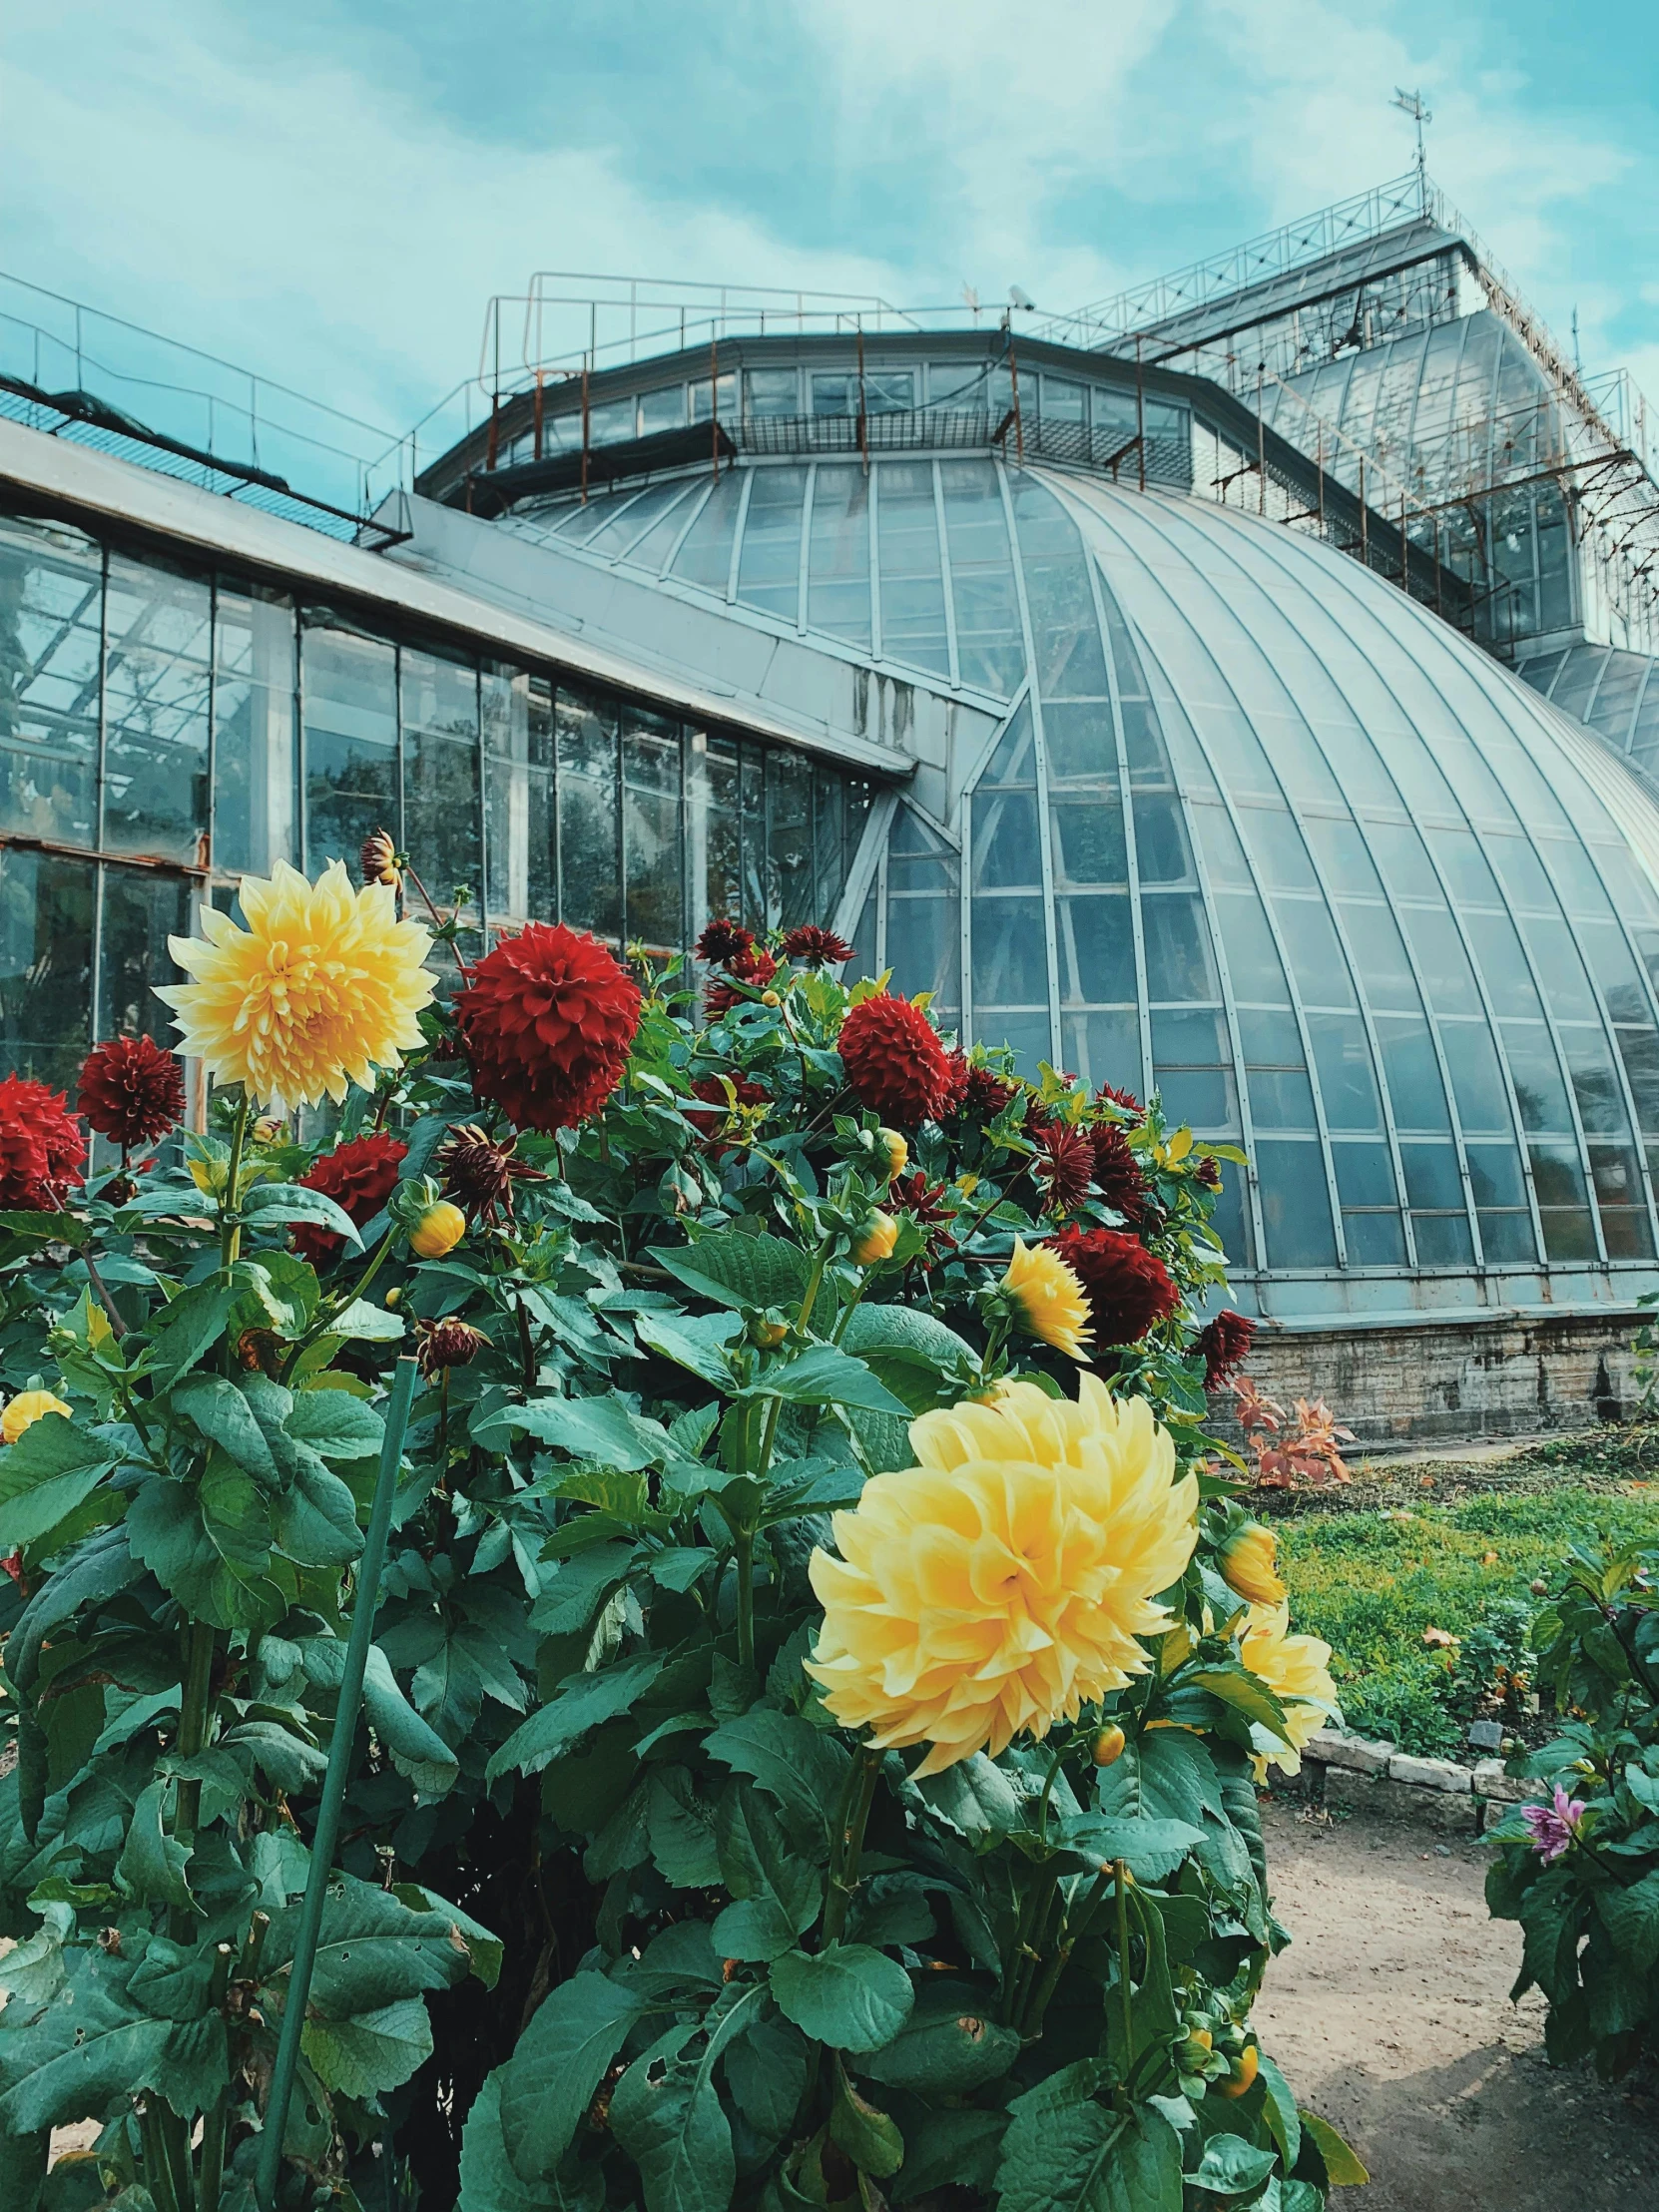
<point x="132" y="1091"/>
<point x="895" y="1060"/>
<point x="1110" y="1095"/>
<point x="957" y="1061"/>
<point x="360" y="1177"/>
<point x="815" y="948"/>
<point x="547" y="1019"/>
<point x="1117" y="1174"/>
<point x="479" y="1173"/>
<point x="985" y="1094"/>
<point x="722" y="940"/>
<point x="709" y="1120"/>
<point x="1065" y="1166"/>
<point x="42" y="1150"/>
<point x="1129" y="1288"/>
<point x="1208" y="1171"/>
<point x="446" y="1343"/>
<point x="1224" y="1345"/>
<point x="927" y="1205"/>
<point x="756" y="969"/>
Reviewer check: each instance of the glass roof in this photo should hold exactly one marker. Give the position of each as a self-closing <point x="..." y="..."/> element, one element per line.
<point x="1610" y="691"/>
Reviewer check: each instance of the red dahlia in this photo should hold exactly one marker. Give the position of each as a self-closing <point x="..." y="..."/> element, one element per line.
<point x="131" y="1091"/>
<point x="479" y="1174"/>
<point x="815" y="947"/>
<point x="984" y="1093"/>
<point x="1224" y="1345"/>
<point x="360" y="1177"/>
<point x="42" y="1150"/>
<point x="956" y="1062"/>
<point x="1065" y="1166"/>
<point x="1208" y="1171"/>
<point x="722" y="940"/>
<point x="709" y="1120"/>
<point x="446" y="1343"/>
<point x="1117" y="1173"/>
<point x="894" y="1061"/>
<point x="547" y="1019"/>
<point x="1110" y="1095"/>
<point x="1129" y="1288"/>
<point x="927" y="1204"/>
<point x="756" y="969"/>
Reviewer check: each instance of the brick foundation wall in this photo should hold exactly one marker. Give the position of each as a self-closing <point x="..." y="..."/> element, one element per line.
<point x="1455" y="1382"/>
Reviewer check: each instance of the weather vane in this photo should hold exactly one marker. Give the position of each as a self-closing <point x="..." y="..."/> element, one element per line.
<point x="1410" y="102"/>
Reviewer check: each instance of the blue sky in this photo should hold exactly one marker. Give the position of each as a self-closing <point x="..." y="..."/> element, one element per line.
<point x="329" y="191"/>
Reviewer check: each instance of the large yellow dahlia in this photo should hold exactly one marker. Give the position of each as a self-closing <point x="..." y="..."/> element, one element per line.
<point x="1297" y="1669"/>
<point x="321" y="988"/>
<point x="1003" y="1583"/>
<point x="1049" y="1298"/>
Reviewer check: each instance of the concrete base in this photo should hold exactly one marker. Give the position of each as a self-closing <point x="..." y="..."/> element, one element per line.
<point x="1450" y="1381"/>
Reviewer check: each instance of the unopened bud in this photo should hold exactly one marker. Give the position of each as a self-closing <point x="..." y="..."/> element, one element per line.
<point x="1107" y="1748"/>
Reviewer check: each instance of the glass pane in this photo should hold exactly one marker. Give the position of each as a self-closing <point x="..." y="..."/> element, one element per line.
<point x="1431" y="1177"/>
<point x="1535" y="1072"/>
<point x="1348" y="1084"/>
<point x="705" y="555"/>
<point x="1508" y="1238"/>
<point x="772" y="392"/>
<point x="1178" y="961"/>
<point x="350" y="694"/>
<point x="440" y="771"/>
<point x="51" y="601"/>
<point x="790" y="837"/>
<point x="46" y="917"/>
<point x="830" y="827"/>
<point x="157" y="684"/>
<point x="1412" y="1073"/>
<point x="253" y="755"/>
<point x="1097" y="950"/>
<point x="1477" y="1080"/>
<point x="1106" y="1048"/>
<point x="519" y="796"/>
<point x="989" y="642"/>
<point x="141" y="911"/>
<point x="1066" y="633"/>
<point x="714" y="855"/>
<point x="590" y="875"/>
<point x="1296" y="1205"/>
<point x="1365" y="1176"/>
<point x="1443" y="1240"/>
<point x="912" y="581"/>
<point x="769" y="568"/>
<point x="1316" y="955"/>
<point x="1595" y="1082"/>
<point x="1006" y="846"/>
<point x="1010" y="967"/>
<point x="1088" y="841"/>
<point x="924" y="948"/>
<point x="837" y="573"/>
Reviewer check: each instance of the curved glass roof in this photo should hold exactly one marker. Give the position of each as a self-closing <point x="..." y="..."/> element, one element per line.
<point x="1253" y="830"/>
<point x="1610" y="691"/>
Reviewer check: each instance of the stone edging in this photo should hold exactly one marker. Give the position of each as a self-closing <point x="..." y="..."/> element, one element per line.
<point x="1387" y="1783"/>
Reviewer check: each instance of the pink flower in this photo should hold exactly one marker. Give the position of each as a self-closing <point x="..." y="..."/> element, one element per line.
<point x="1554" y="1827"/>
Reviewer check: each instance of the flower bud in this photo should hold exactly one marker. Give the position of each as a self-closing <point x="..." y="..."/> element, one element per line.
<point x="1539" y="1587"/>
<point x="1250" y="1564"/>
<point x="439" y="1228"/>
<point x="395" y="1296"/>
<point x="25" y="1409"/>
<point x="770" y="1333"/>
<point x="270" y="1129"/>
<point x="1107" y="1748"/>
<point x="873" y="1238"/>
<point x="891" y="1147"/>
<point x="1241" y="2076"/>
<point x="448" y="1344"/>
<point x="772" y="998"/>
<point x="378" y="860"/>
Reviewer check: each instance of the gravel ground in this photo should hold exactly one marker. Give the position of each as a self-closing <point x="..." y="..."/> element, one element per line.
<point x="1391" y="2016"/>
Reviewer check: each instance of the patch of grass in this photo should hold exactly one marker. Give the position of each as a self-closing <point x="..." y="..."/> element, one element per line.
<point x="1372" y="1581"/>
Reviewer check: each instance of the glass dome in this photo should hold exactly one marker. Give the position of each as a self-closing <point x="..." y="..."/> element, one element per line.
<point x="1253" y="830"/>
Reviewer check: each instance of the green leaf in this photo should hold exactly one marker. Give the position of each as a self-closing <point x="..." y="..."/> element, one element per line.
<point x="846" y="1994"/>
<point x="947" y="2049"/>
<point x="489" y="2180"/>
<point x="1064" y="2152"/>
<point x="792" y="1762"/>
<point x="376" y="2050"/>
<point x="581" y="1703"/>
<point x="693" y="1342"/>
<point x="734" y="1270"/>
<point x="572" y="1595"/>
<point x="956" y="2148"/>
<point x="1163" y="1774"/>
<point x="680" y="1826"/>
<point x="418" y="1751"/>
<point x="208" y="1545"/>
<point x="910" y="1351"/>
<point x="667" y="2114"/>
<point x="1232" y="2167"/>
<point x="868" y="2135"/>
<point x="335" y="1426"/>
<point x="1278" y="2111"/>
<point x="549" y="2081"/>
<point x="826" y="1375"/>
<point x="151" y="1867"/>
<point x="50" y="1470"/>
<point x="767" y="2067"/>
<point x="290" y="1761"/>
<point x="1631" y="1917"/>
<point x="290" y="1202"/>
<point x="314" y="1520"/>
<point x="1151" y="1848"/>
<point x="596" y="1428"/>
<point x="367" y="1324"/>
<point x="225" y="1417"/>
<point x="374" y="1951"/>
<point x="1340" y="2165"/>
<point x="182" y="1332"/>
<point x="976" y="1797"/>
<point x="87" y="2044"/>
<point x="1246" y="1693"/>
<point x="777" y="1892"/>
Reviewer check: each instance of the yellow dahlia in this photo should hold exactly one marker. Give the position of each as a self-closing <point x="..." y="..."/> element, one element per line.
<point x="1297" y="1669"/>
<point x="1004" y="1582"/>
<point x="1250" y="1564"/>
<point x="1049" y="1298"/>
<point x="322" y="986"/>
<point x="25" y="1409"/>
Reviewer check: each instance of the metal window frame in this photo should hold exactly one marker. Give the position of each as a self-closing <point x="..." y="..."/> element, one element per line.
<point x="1114" y="694"/>
<point x="1045" y="832"/>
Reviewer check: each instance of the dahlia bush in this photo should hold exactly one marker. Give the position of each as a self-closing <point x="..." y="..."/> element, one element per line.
<point x="807" y="1752"/>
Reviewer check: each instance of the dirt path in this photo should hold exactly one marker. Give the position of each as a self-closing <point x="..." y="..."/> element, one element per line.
<point x="1391" y="2016"/>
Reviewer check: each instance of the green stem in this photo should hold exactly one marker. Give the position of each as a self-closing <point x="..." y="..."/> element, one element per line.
<point x="1072" y="1938"/>
<point x="743" y="1541"/>
<point x="216" y="2124"/>
<point x="848" y="1846"/>
<point x="157" y="2169"/>
<point x="334" y="1306"/>
<point x="1120" y="1874"/>
<point x="194" y="1719"/>
<point x="809" y="1299"/>
<point x="229" y="1224"/>
<point x="1048" y="1792"/>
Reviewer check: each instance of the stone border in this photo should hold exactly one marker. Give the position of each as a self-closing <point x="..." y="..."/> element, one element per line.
<point x="1389" y="1784"/>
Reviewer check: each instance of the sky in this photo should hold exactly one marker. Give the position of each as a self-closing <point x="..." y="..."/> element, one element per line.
<point x="329" y="191"/>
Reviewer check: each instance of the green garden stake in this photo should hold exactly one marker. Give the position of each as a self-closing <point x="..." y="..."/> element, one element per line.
<point x="369" y="1570"/>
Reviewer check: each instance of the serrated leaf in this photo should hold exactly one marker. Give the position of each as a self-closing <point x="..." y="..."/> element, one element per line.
<point x="667" y="2114"/>
<point x="909" y="1351"/>
<point x="374" y="1951"/>
<point x="974" y="1797"/>
<point x="1232" y="2167"/>
<point x="210" y="1545"/>
<point x="1066" y="2152"/>
<point x="87" y="2044"/>
<point x="224" y="1416"/>
<point x="363" y="1322"/>
<point x="49" y="1470"/>
<point x="151" y="1866"/>
<point x="792" y="1761"/>
<point x="693" y="1342"/>
<point x="360" y="2057"/>
<point x="596" y="1428"/>
<point x="489" y="2180"/>
<point x="582" y="1702"/>
<point x="846" y="1994"/>
<point x="735" y="1270"/>
<point x="578" y="1586"/>
<point x="417" y="1752"/>
<point x="1151" y="1849"/>
<point x="182" y="1332"/>
<point x="777" y="1893"/>
<point x="273" y="1203"/>
<point x="824" y="1375"/>
<point x="548" y="2083"/>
